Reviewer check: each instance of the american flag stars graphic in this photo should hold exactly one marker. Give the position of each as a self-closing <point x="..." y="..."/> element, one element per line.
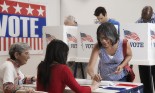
<point x="131" y="35"/>
<point x="20" y="8"/>
<point x="85" y="37"/>
<point x="71" y="38"/>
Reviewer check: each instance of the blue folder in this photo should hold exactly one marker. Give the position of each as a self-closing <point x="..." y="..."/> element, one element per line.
<point x="114" y="88"/>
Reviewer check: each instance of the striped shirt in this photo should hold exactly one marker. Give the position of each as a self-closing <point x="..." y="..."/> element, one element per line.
<point x="152" y="20"/>
<point x="108" y="65"/>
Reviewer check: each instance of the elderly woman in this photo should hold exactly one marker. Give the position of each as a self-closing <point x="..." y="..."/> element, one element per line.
<point x="70" y="21"/>
<point x="11" y="78"/>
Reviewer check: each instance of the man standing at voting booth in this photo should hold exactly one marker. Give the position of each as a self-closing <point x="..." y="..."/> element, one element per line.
<point x="101" y="15"/>
<point x="147" y="73"/>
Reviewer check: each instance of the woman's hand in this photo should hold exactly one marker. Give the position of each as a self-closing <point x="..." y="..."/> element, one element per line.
<point x="119" y="69"/>
<point x="94" y="85"/>
<point x="96" y="77"/>
<point x="26" y="90"/>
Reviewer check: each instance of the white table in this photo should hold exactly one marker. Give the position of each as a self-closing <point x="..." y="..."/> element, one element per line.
<point x="107" y="85"/>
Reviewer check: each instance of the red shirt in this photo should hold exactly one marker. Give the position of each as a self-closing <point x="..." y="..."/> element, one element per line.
<point x="62" y="76"/>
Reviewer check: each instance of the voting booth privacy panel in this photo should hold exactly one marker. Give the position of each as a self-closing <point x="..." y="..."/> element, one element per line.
<point x="68" y="34"/>
<point x="80" y="40"/>
<point x="141" y="38"/>
<point x="86" y="40"/>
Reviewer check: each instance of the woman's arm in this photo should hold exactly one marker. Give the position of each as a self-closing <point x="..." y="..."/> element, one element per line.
<point x="70" y="81"/>
<point x="9" y="87"/>
<point x="126" y="60"/>
<point x="128" y="55"/>
<point x="92" y="62"/>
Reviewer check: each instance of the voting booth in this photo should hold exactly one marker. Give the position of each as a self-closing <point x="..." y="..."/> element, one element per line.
<point x="141" y="38"/>
<point x="68" y="34"/>
<point x="86" y="40"/>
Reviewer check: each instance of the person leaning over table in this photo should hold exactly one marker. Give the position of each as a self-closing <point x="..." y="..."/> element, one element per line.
<point x="54" y="75"/>
<point x="146" y="72"/>
<point x="110" y="51"/>
<point x="11" y="78"/>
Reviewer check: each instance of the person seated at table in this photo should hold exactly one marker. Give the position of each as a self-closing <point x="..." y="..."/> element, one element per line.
<point x="110" y="51"/>
<point x="11" y="78"/>
<point x="53" y="74"/>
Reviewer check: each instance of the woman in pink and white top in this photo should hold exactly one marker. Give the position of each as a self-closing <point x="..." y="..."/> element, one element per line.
<point x="11" y="78"/>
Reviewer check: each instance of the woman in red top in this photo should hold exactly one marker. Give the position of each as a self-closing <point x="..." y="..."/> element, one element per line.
<point x="53" y="73"/>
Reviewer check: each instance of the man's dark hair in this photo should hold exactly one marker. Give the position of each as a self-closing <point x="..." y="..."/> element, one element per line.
<point x="100" y="10"/>
<point x="147" y="13"/>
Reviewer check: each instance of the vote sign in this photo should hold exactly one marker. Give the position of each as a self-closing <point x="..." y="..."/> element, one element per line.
<point x="21" y="22"/>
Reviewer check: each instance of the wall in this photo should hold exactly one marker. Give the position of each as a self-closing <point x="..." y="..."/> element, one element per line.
<point x="125" y="11"/>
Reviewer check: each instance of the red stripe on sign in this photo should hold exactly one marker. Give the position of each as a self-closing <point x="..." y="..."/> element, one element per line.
<point x="22" y="39"/>
<point x="9" y="42"/>
<point x="31" y="42"/>
<point x="0" y="43"/>
<point x="26" y="40"/>
<point x="38" y="43"/>
<point x="4" y="44"/>
<point x="34" y="43"/>
<point x="17" y="39"/>
<point x="41" y="43"/>
<point x="13" y="39"/>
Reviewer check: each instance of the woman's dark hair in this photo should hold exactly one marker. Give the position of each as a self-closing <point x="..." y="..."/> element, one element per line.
<point x="56" y="52"/>
<point x="109" y="31"/>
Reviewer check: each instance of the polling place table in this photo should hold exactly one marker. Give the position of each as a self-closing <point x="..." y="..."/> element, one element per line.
<point x="111" y="87"/>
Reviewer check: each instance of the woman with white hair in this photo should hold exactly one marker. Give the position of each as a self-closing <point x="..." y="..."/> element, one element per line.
<point x="11" y="78"/>
<point x="70" y="21"/>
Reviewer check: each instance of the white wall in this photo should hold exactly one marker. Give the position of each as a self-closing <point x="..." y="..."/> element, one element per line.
<point x="125" y="11"/>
